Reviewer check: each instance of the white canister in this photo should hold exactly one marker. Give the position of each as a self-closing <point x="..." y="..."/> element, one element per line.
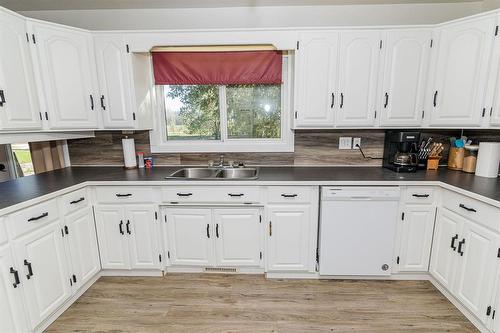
<point x="129" y="153"/>
<point x="488" y="159"/>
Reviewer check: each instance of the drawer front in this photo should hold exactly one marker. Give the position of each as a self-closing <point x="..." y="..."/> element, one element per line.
<point x="222" y="194"/>
<point x="472" y="209"/>
<point x="124" y="194"/>
<point x="291" y="194"/>
<point x="32" y="218"/>
<point x="3" y="232"/>
<point x="419" y="194"/>
<point x="74" y="201"/>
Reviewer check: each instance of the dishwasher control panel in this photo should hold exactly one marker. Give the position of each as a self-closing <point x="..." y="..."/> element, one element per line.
<point x="359" y="192"/>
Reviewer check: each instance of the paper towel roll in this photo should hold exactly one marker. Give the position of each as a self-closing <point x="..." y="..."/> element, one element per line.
<point x="488" y="159"/>
<point x="129" y="153"/>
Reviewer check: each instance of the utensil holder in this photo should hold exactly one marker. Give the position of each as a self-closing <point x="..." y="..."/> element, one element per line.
<point x="456" y="158"/>
<point x="433" y="163"/>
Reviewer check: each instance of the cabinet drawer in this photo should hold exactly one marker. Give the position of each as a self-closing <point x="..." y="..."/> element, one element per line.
<point x="222" y="194"/>
<point x="3" y="232"/>
<point x="292" y="194"/>
<point x="31" y="218"/>
<point x="472" y="209"/>
<point x="74" y="201"/>
<point x="124" y="194"/>
<point x="419" y="194"/>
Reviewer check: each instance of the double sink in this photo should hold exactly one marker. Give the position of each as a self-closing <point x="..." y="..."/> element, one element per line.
<point x="215" y="173"/>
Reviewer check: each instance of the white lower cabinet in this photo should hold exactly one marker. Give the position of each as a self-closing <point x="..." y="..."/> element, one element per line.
<point x="128" y="236"/>
<point x="43" y="268"/>
<point x="291" y="237"/>
<point x="415" y="235"/>
<point x="12" y="314"/>
<point x="205" y="237"/>
<point x="82" y="247"/>
<point x="464" y="260"/>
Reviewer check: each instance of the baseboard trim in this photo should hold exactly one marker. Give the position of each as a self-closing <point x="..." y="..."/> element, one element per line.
<point x="136" y="272"/>
<point x="192" y="269"/>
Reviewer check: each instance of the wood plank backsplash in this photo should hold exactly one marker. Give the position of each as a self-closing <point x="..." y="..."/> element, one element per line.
<point x="312" y="148"/>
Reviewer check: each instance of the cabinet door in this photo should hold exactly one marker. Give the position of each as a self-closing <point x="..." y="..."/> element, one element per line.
<point x="316" y="69"/>
<point x="405" y="77"/>
<point x="142" y="229"/>
<point x="288" y="246"/>
<point x="444" y="247"/>
<point x="358" y="71"/>
<point x="190" y="237"/>
<point x="83" y="245"/>
<point x="237" y="233"/>
<point x="416" y="231"/>
<point x="461" y="73"/>
<point x="43" y="267"/>
<point x="20" y="111"/>
<point x="113" y="69"/>
<point x="68" y="76"/>
<point x="12" y="316"/>
<point x="493" y="97"/>
<point x="477" y="259"/>
<point x="113" y="242"/>
<point x="493" y="323"/>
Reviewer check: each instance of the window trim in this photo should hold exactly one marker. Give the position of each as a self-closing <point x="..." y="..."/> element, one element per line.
<point x="160" y="144"/>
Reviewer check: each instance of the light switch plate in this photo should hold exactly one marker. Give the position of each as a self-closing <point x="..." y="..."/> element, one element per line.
<point x="356" y="141"/>
<point x="345" y="142"/>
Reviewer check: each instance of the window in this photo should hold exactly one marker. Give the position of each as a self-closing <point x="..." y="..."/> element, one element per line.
<point x="223" y="118"/>
<point x="21" y="156"/>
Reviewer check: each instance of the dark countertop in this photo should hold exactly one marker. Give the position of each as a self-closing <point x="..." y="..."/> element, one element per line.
<point x="23" y="189"/>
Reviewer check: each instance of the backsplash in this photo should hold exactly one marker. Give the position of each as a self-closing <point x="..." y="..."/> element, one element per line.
<point x="312" y="148"/>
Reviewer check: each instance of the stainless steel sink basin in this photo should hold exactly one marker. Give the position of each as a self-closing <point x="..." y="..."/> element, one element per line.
<point x="215" y="173"/>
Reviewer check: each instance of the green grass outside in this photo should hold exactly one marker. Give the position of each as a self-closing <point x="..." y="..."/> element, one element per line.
<point x="23" y="156"/>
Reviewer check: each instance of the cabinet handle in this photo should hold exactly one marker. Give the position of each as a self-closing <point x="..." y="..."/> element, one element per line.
<point x="460" y="244"/>
<point x="270" y="228"/>
<point x="38" y="217"/>
<point x="333" y="101"/>
<point x="386" y="100"/>
<point x="76" y="201"/>
<point x="467" y="208"/>
<point x="102" y="103"/>
<point x="208" y="230"/>
<point x="128" y="227"/>
<point x="235" y="194"/>
<point x="217" y="230"/>
<point x="435" y="98"/>
<point x="30" y="270"/>
<point x="184" y="194"/>
<point x="16" y="277"/>
<point x="341" y="100"/>
<point x="2" y="98"/>
<point x="91" y="102"/>
<point x="453" y="240"/>
<point x="288" y="195"/>
<point x="420" y="195"/>
<point x="120" y="226"/>
<point x="119" y="195"/>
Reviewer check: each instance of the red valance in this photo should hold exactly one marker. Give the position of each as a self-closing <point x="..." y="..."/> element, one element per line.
<point x="239" y="67"/>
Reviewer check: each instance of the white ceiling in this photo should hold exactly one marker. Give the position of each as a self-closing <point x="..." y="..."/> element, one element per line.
<point x="29" y="5"/>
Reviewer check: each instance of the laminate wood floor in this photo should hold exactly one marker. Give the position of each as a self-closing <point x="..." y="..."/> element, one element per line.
<point x="250" y="303"/>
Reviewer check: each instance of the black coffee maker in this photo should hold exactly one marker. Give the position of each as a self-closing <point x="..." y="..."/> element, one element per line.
<point x="400" y="151"/>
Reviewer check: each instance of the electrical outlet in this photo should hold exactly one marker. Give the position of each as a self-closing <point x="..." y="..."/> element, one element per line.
<point x="345" y="142"/>
<point x="356" y="141"/>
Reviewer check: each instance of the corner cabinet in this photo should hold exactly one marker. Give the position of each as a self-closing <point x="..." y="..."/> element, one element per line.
<point x="19" y="105"/>
<point x="461" y="73"/>
<point x="66" y="75"/>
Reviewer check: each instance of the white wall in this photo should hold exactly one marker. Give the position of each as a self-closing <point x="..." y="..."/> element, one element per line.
<point x="491" y="4"/>
<point x="259" y="17"/>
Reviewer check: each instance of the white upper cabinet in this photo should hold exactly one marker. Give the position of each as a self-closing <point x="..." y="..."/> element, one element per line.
<point x="19" y="106"/>
<point x="404" y="78"/>
<point x="461" y="72"/>
<point x="316" y="72"/>
<point x="358" y="72"/>
<point x="115" y="81"/>
<point x="67" y="76"/>
<point x="493" y="98"/>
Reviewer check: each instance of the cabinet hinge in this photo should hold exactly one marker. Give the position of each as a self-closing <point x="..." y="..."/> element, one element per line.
<point x="496" y="30"/>
<point x="423" y="114"/>
<point x="159" y="257"/>
<point x="260" y="255"/>
<point x="133" y="115"/>
<point x="488" y="310"/>
<point x="431" y="43"/>
<point x="484" y="112"/>
<point x="296" y="114"/>
<point x="33" y="38"/>
<point x="402" y="216"/>
<point x="74" y="278"/>
<point x="380" y="44"/>
<point x="168" y="254"/>
<point x="298" y="44"/>
<point x="46" y="116"/>
<point x="128" y="49"/>
<point x="397" y="260"/>
<point x="66" y="230"/>
<point x="156" y="215"/>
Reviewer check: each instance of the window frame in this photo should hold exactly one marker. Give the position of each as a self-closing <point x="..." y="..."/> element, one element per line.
<point x="160" y="144"/>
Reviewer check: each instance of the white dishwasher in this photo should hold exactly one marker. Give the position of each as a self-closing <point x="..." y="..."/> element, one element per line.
<point x="357" y="230"/>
